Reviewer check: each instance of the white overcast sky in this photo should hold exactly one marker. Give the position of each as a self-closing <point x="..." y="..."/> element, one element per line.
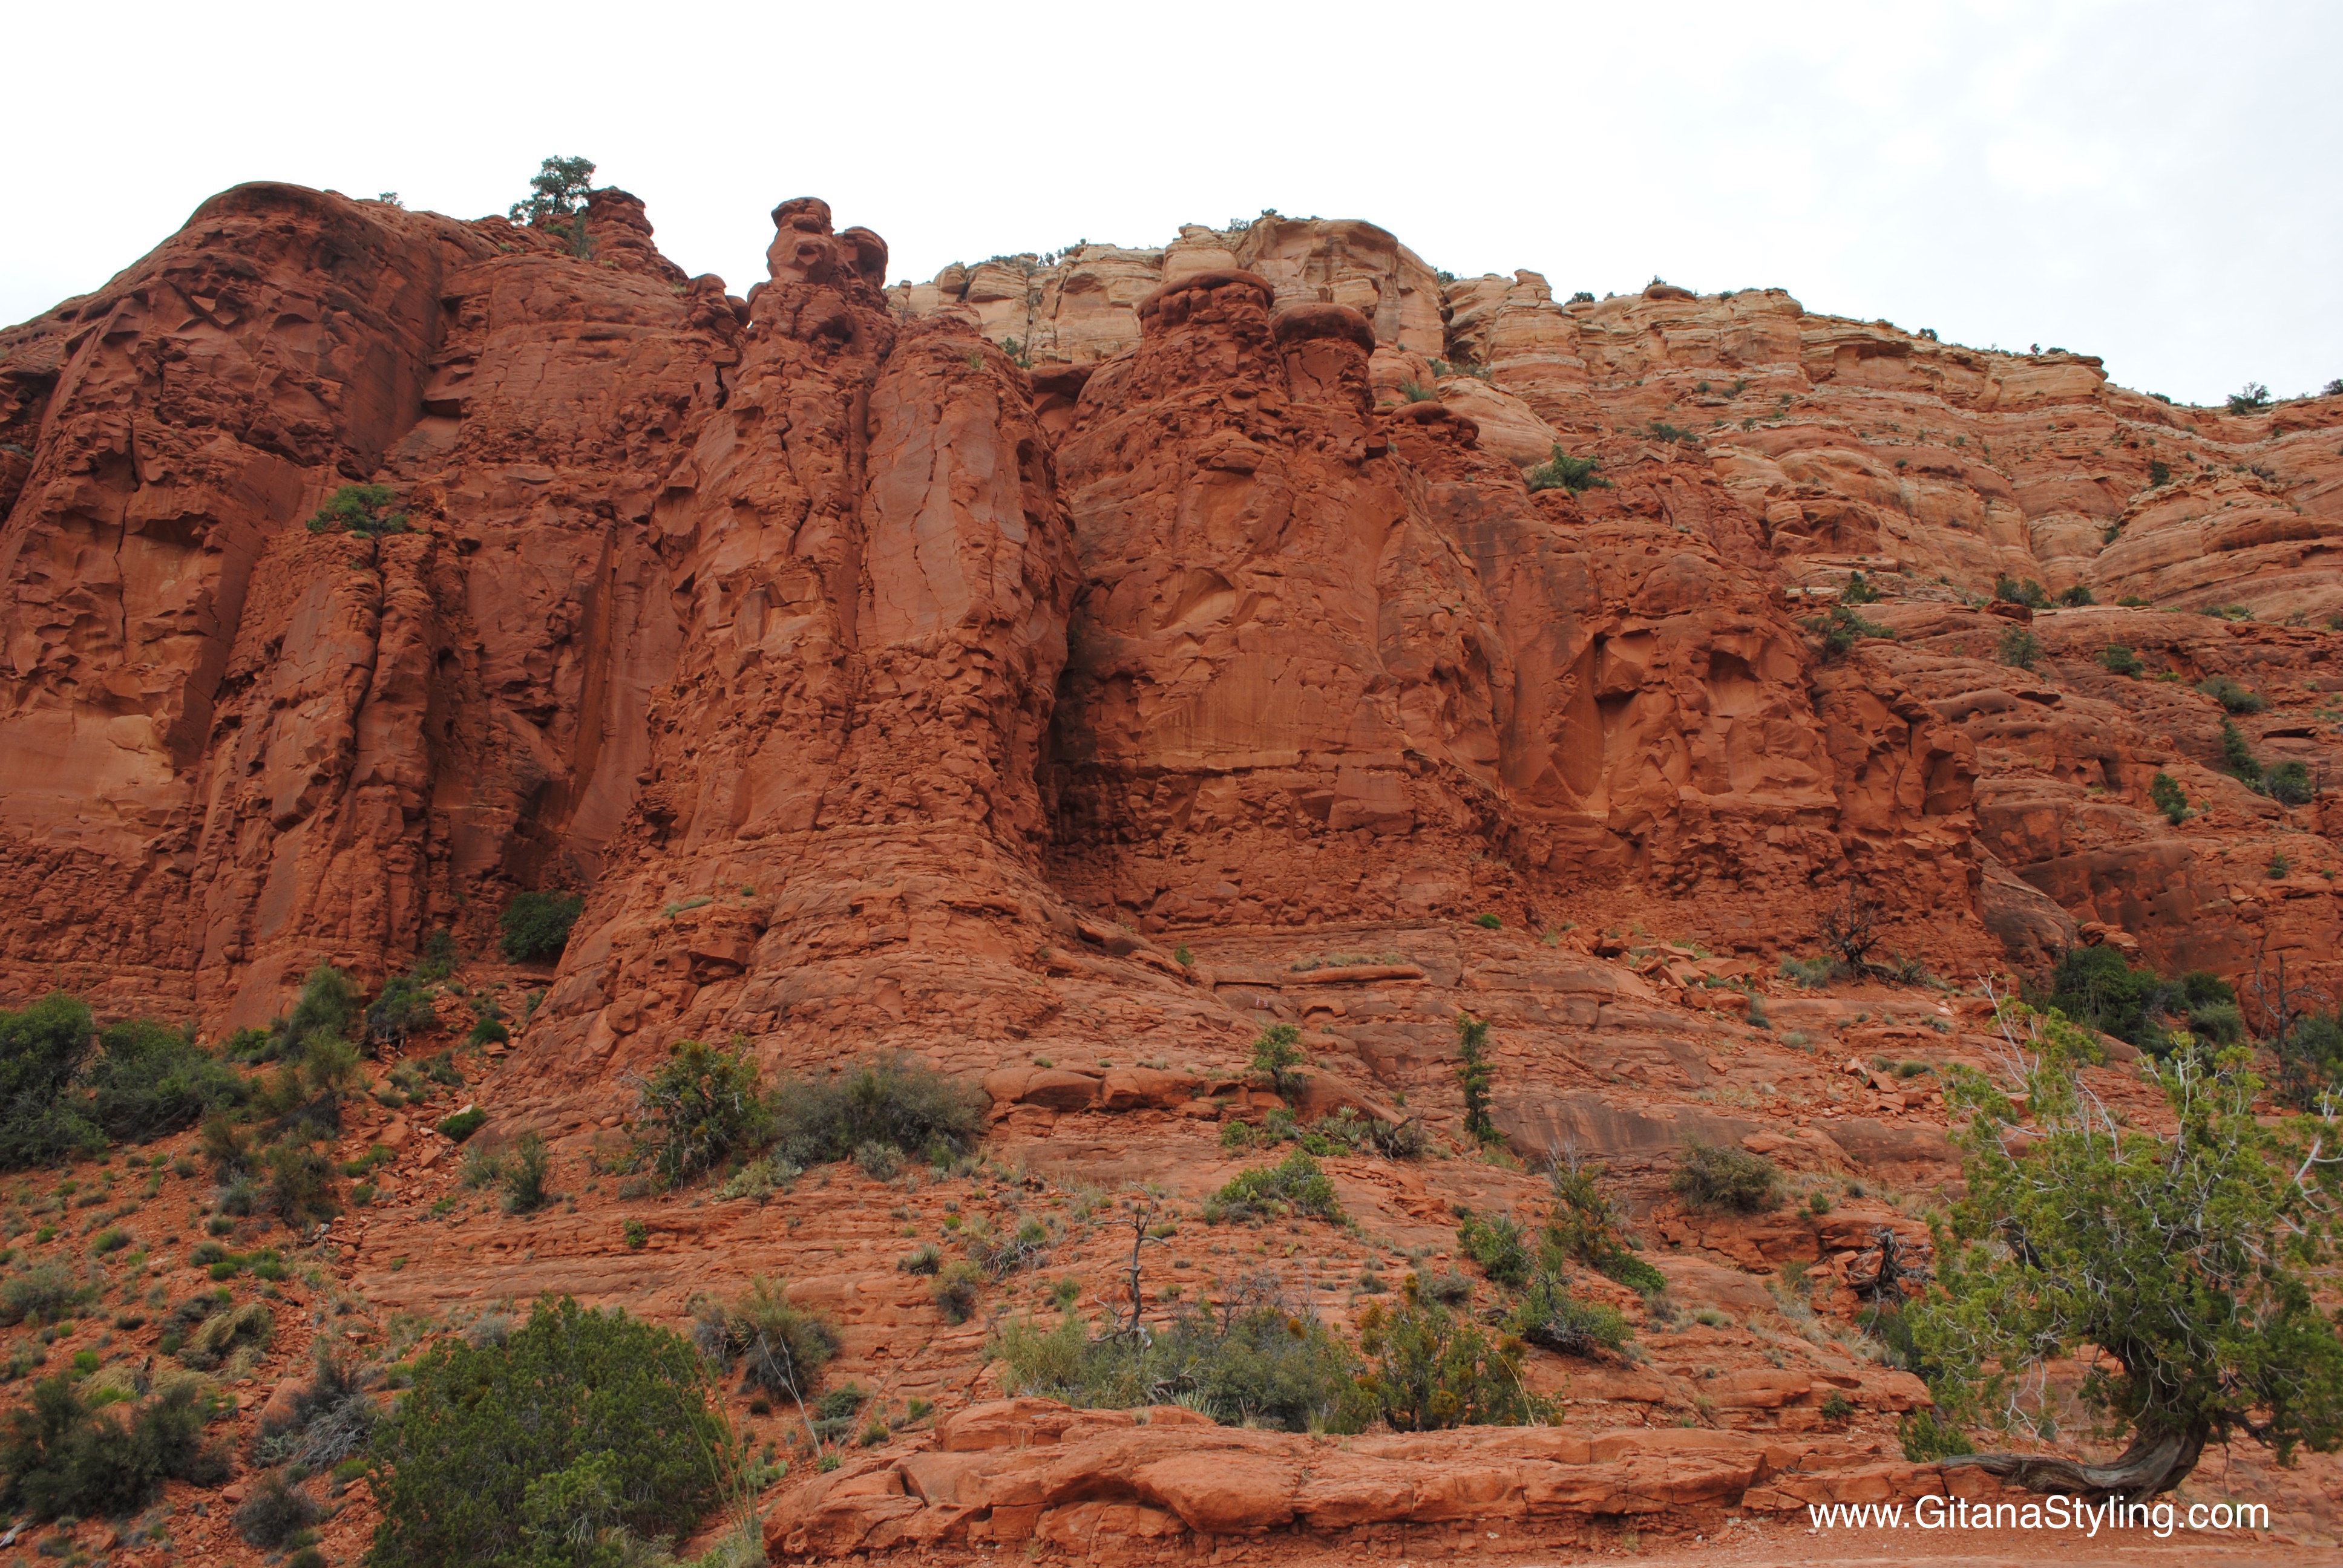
<point x="2158" y="184"/>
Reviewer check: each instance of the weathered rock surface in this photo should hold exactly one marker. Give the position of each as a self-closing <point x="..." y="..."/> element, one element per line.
<point x="1062" y="669"/>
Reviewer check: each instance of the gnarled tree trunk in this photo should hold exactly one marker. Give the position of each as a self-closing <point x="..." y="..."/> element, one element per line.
<point x="2151" y="1464"/>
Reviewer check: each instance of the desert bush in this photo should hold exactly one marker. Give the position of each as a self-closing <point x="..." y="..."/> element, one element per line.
<point x="2252" y="400"/>
<point x="2020" y="647"/>
<point x="275" y="1511"/>
<point x="1476" y="1076"/>
<point x="782" y="1347"/>
<point x="1710" y="1176"/>
<point x="148" y="1080"/>
<point x="2118" y="659"/>
<point x="328" y="1420"/>
<point x="581" y="1425"/>
<point x="1298" y="1186"/>
<point x="1585" y="1226"/>
<point x="42" y="1049"/>
<point x="2097" y="988"/>
<point x="1857" y="589"/>
<point x="2232" y="697"/>
<point x="63" y="1457"/>
<point x="2238" y="756"/>
<point x="404" y="1007"/>
<point x="327" y="1006"/>
<point x="463" y="1123"/>
<point x="1497" y="1244"/>
<point x="1564" y="472"/>
<point x="524" y="1174"/>
<point x="221" y="1334"/>
<point x="1812" y="973"/>
<point x="42" y="1293"/>
<point x="2009" y="590"/>
<point x="955" y="1291"/>
<point x="300" y="1184"/>
<point x="1841" y="627"/>
<point x="892" y="1100"/>
<point x="2077" y="596"/>
<point x="2288" y="783"/>
<point x="1925" y="1439"/>
<point x="1257" y="1360"/>
<point x="1549" y="1316"/>
<point x="700" y="1107"/>
<point x="2165" y="792"/>
<point x="1276" y="1053"/>
<point x="1428" y="1369"/>
<point x="359" y="509"/>
<point x="535" y="926"/>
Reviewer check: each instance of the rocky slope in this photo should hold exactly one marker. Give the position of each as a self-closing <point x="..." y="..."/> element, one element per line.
<point x="1049" y="668"/>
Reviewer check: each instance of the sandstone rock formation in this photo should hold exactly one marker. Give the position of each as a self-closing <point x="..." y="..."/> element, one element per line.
<point x="1062" y="669"/>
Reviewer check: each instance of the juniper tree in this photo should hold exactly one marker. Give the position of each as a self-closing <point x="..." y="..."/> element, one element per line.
<point x="2184" y="1260"/>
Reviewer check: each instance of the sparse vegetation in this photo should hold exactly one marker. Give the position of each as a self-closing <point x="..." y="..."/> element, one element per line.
<point x="2029" y="593"/>
<point x="698" y="1108"/>
<point x="2118" y="659"/>
<point x="2097" y="987"/>
<point x="892" y="1101"/>
<point x="2020" y="647"/>
<point x="781" y="1347"/>
<point x="1497" y="1244"/>
<point x="1841" y="628"/>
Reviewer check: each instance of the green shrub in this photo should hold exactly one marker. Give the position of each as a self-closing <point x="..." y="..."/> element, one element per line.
<point x="892" y="1100"/>
<point x="1489" y="922"/>
<point x="149" y="1079"/>
<point x="1297" y="1185"/>
<point x="1276" y="1052"/>
<point x="2077" y="596"/>
<point x="1428" y="1369"/>
<point x="1475" y="1075"/>
<point x="783" y="1347"/>
<point x="1925" y="1440"/>
<point x="524" y="1174"/>
<point x="61" y="1456"/>
<point x="42" y="1294"/>
<point x="439" y="957"/>
<point x="1257" y="1361"/>
<point x="2020" y="647"/>
<point x="2237" y="758"/>
<point x="955" y="1291"/>
<point x="300" y="1184"/>
<point x="220" y="1334"/>
<point x="2160" y="473"/>
<point x="1841" y="628"/>
<point x="580" y="1425"/>
<point x="1858" y="590"/>
<point x="358" y="509"/>
<point x="636" y="1234"/>
<point x="700" y="1107"/>
<point x="535" y="926"/>
<point x="487" y="1031"/>
<point x="2118" y="659"/>
<point x="2310" y="1059"/>
<point x="43" y="1050"/>
<point x="2231" y="696"/>
<point x="327" y="1007"/>
<point x="1564" y="472"/>
<point x="1585" y="1226"/>
<point x="2096" y="986"/>
<point x="2169" y="798"/>
<point x="2252" y="400"/>
<point x="1416" y="392"/>
<point x="1813" y="973"/>
<point x="1712" y="1176"/>
<point x="462" y="1124"/>
<point x="2288" y="783"/>
<point x="1498" y="1245"/>
<point x="1548" y="1315"/>
<point x="275" y="1513"/>
<point x="404" y="1007"/>
<point x="558" y="191"/>
<point x="2009" y="590"/>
